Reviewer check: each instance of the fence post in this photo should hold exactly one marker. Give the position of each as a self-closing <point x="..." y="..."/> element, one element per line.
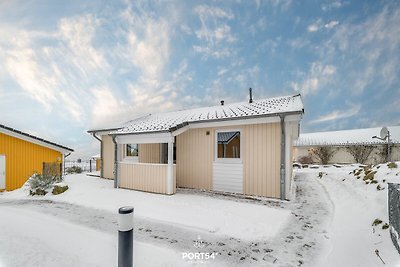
<point x="125" y="237"/>
<point x="90" y="165"/>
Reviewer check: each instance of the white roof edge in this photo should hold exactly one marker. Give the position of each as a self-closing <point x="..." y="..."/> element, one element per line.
<point x="35" y="141"/>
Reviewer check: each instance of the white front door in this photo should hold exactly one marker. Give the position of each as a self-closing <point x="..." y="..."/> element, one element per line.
<point x="2" y="172"/>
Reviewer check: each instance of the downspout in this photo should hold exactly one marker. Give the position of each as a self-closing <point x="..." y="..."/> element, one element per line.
<point x="283" y="156"/>
<point x="115" y="161"/>
<point x="101" y="153"/>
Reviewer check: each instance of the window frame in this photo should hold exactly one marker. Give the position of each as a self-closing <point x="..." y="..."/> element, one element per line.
<point x="134" y="159"/>
<point x="228" y="160"/>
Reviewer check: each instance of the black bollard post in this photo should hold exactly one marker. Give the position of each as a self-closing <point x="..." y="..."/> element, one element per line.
<point x="125" y="237"/>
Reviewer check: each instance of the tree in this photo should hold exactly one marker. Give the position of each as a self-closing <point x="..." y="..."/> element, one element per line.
<point x="323" y="153"/>
<point x="360" y="153"/>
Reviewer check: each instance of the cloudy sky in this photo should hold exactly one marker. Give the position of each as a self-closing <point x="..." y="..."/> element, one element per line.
<point x="69" y="66"/>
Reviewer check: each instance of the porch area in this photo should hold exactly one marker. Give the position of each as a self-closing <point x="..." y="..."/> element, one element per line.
<point x="146" y="162"/>
<point x="148" y="177"/>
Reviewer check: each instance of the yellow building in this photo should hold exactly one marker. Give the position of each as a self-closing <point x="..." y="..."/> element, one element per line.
<point x="22" y="154"/>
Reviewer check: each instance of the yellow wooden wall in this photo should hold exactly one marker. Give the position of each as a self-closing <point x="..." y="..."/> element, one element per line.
<point x="24" y="158"/>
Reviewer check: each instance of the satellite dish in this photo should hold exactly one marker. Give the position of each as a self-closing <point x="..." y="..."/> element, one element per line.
<point x="384" y="132"/>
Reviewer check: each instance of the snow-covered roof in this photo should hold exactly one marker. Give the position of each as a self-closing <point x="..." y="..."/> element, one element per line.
<point x="162" y="122"/>
<point x="32" y="138"/>
<point x="347" y="137"/>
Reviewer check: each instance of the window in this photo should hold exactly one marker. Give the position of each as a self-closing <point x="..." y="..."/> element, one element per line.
<point x="228" y="144"/>
<point x="132" y="150"/>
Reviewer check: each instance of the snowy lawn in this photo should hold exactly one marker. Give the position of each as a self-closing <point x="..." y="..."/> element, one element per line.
<point x="244" y="221"/>
<point x="44" y="240"/>
<point x="356" y="204"/>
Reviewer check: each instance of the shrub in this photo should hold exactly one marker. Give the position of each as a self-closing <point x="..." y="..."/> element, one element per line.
<point x="323" y="153"/>
<point x="74" y="169"/>
<point x="360" y="153"/>
<point x="39" y="183"/>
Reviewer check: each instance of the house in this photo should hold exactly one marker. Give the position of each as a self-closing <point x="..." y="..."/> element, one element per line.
<point x="239" y="148"/>
<point x="22" y="154"/>
<point x="340" y="141"/>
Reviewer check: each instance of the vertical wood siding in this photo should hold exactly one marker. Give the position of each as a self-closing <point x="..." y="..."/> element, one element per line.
<point x="24" y="158"/>
<point x="261" y="159"/>
<point x="108" y="156"/>
<point x="149" y="153"/>
<point x="260" y="156"/>
<point x="194" y="158"/>
<point x="145" y="177"/>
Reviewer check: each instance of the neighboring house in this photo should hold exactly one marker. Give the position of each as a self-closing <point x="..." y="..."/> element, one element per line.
<point x="241" y="148"/>
<point x="341" y="140"/>
<point x="22" y="154"/>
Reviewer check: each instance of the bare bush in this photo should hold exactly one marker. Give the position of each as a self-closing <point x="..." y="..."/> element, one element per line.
<point x="383" y="152"/>
<point x="360" y="153"/>
<point x="324" y="153"/>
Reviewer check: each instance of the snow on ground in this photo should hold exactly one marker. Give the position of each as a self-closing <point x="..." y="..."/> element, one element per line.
<point x="329" y="223"/>
<point x="29" y="238"/>
<point x="353" y="239"/>
<point x="240" y="220"/>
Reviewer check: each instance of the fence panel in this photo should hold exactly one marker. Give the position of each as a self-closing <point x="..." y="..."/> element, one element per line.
<point x="394" y="213"/>
<point x="85" y="165"/>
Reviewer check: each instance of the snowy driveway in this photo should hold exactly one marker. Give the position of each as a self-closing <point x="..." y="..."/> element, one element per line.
<point x="298" y="243"/>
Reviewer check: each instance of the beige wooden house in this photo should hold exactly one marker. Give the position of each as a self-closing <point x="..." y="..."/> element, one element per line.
<point x="243" y="148"/>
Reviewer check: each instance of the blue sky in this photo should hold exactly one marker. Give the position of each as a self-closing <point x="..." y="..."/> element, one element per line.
<point x="69" y="66"/>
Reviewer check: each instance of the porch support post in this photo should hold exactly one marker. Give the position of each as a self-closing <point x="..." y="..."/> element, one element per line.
<point x="170" y="169"/>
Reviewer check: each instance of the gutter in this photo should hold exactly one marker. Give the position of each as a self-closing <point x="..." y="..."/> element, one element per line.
<point x="115" y="161"/>
<point x="101" y="152"/>
<point x="283" y="157"/>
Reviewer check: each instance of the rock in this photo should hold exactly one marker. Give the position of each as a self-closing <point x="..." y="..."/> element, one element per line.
<point x="376" y="222"/>
<point x="38" y="192"/>
<point x="392" y="165"/>
<point x="59" y="188"/>
<point x="369" y="176"/>
<point x="385" y="226"/>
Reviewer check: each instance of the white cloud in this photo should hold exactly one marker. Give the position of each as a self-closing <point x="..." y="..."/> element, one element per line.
<point x="214" y="34"/>
<point x="371" y="49"/>
<point x="333" y="5"/>
<point x="205" y="11"/>
<point x="78" y="33"/>
<point x="331" y="24"/>
<point x="313" y="27"/>
<point x="318" y="76"/>
<point x="337" y="114"/>
<point x="23" y="67"/>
